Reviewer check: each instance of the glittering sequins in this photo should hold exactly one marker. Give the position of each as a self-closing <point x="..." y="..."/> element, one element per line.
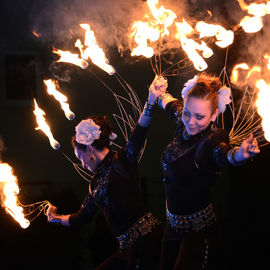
<point x="99" y="187"/>
<point x="198" y="221"/>
<point x="143" y="226"/>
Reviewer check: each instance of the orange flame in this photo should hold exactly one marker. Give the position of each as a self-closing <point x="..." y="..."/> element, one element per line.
<point x="191" y="47"/>
<point x="93" y="51"/>
<point x="10" y="191"/>
<point x="235" y="72"/>
<point x="224" y="37"/>
<point x="51" y="89"/>
<point x="68" y="57"/>
<point x="44" y="127"/>
<point x="152" y="29"/>
<point x="267" y="57"/>
<point x="263" y="108"/>
<point x="35" y="33"/>
<point x="254" y="23"/>
<point x="163" y="16"/>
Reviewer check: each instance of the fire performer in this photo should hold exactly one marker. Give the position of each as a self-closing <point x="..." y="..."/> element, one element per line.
<point x="115" y="188"/>
<point x="190" y="163"/>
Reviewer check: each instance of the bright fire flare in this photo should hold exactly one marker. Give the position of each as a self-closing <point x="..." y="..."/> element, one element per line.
<point x="68" y="57"/>
<point x="9" y="194"/>
<point x="164" y="16"/>
<point x="93" y="51"/>
<point x="251" y="24"/>
<point x="44" y="127"/>
<point x="142" y="32"/>
<point x="191" y="47"/>
<point x="235" y="72"/>
<point x="267" y="57"/>
<point x="263" y="108"/>
<point x="254" y="23"/>
<point x="224" y="37"/>
<point x="151" y="28"/>
<point x="51" y="88"/>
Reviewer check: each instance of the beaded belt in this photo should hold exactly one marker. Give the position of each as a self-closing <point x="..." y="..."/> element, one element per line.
<point x="198" y="221"/>
<point x="143" y="226"/>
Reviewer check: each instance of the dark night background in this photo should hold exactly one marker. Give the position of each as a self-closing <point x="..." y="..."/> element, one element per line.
<point x="241" y="195"/>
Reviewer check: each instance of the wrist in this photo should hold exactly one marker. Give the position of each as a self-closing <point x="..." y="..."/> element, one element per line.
<point x="234" y="157"/>
<point x="149" y="108"/>
<point x="164" y="99"/>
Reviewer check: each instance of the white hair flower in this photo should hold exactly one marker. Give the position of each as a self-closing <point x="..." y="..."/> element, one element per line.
<point x="188" y="85"/>
<point x="224" y="98"/>
<point x="87" y="131"/>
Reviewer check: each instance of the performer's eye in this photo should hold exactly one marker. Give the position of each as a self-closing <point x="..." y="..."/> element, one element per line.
<point x="199" y="117"/>
<point x="186" y="113"/>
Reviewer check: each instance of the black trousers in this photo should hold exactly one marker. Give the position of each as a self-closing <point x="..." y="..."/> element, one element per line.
<point x="144" y="255"/>
<point x="187" y="251"/>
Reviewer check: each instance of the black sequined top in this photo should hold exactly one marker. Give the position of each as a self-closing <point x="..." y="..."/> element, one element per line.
<point x="191" y="163"/>
<point x="115" y="187"/>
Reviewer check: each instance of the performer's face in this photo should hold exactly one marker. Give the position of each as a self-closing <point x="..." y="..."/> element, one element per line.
<point x="197" y="115"/>
<point x="87" y="158"/>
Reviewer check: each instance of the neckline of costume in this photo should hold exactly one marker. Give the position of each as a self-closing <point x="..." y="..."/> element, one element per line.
<point x="105" y="162"/>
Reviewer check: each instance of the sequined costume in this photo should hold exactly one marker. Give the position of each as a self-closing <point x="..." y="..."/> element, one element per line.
<point x="190" y="165"/>
<point x="115" y="190"/>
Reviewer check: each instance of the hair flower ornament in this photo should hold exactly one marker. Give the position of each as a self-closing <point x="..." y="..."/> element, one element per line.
<point x="188" y="85"/>
<point x="224" y="98"/>
<point x="87" y="131"/>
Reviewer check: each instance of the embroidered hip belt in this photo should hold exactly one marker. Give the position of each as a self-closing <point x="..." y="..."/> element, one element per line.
<point x="143" y="226"/>
<point x="197" y="222"/>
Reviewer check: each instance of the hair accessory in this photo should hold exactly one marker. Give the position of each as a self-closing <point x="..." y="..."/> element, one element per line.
<point x="224" y="98"/>
<point x="188" y="85"/>
<point x="87" y="131"/>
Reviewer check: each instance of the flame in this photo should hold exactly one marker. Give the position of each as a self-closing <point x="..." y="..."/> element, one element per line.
<point x="151" y="28"/>
<point x="35" y="33"/>
<point x="93" y="51"/>
<point x="251" y="24"/>
<point x="51" y="88"/>
<point x="191" y="47"/>
<point x="141" y="32"/>
<point x="267" y="57"/>
<point x="68" y="57"/>
<point x="254" y="23"/>
<point x="263" y="108"/>
<point x="10" y="191"/>
<point x="163" y="16"/>
<point x="224" y="37"/>
<point x="235" y="72"/>
<point x="43" y="126"/>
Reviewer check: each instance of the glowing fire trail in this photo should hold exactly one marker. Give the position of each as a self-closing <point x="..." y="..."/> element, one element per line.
<point x="51" y="88"/>
<point x="254" y="23"/>
<point x="9" y="194"/>
<point x="93" y="51"/>
<point x="68" y="57"/>
<point x="43" y="126"/>
<point x="263" y="108"/>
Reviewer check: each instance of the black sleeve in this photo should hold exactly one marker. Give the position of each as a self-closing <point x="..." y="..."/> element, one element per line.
<point x="85" y="213"/>
<point x="133" y="150"/>
<point x="174" y="109"/>
<point x="214" y="146"/>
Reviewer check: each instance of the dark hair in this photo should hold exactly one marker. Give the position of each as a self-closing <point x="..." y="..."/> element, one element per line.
<point x="104" y="140"/>
<point x="207" y="87"/>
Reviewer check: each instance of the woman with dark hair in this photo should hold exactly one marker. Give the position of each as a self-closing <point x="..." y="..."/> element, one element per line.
<point x="115" y="188"/>
<point x="190" y="163"/>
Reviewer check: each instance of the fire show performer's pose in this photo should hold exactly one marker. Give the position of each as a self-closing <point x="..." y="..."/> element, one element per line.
<point x="190" y="164"/>
<point x="115" y="188"/>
